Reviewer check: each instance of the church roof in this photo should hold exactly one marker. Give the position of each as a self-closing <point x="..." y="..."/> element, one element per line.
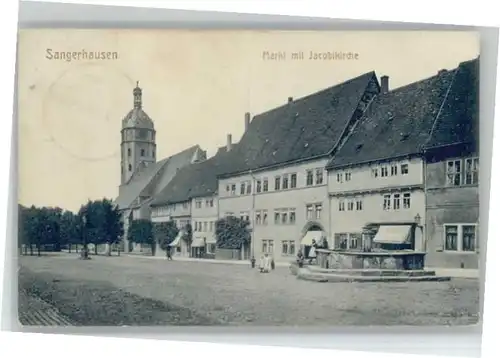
<point x="158" y="175"/>
<point x="301" y="129"/>
<point x="137" y="118"/>
<point x="403" y="121"/>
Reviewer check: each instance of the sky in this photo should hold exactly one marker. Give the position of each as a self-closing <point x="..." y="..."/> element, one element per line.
<point x="197" y="85"/>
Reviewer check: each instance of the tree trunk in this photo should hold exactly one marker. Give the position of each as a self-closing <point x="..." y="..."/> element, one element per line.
<point x="153" y="249"/>
<point x="31" y="249"/>
<point x="108" y="249"/>
<point x="69" y="248"/>
<point x="95" y="249"/>
<point x="38" y="249"/>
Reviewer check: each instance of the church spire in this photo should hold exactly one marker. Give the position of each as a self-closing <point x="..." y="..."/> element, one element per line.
<point x="137" y="96"/>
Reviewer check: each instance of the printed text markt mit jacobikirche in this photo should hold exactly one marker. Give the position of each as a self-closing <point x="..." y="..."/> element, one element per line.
<point x="311" y="55"/>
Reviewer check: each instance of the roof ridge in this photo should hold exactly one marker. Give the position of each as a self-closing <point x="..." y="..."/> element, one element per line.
<point x="440" y="109"/>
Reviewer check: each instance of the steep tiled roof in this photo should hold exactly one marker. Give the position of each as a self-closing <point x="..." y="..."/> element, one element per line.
<point x="458" y="121"/>
<point x="307" y="127"/>
<point x="396" y="123"/>
<point x="195" y="180"/>
<point x="166" y="169"/>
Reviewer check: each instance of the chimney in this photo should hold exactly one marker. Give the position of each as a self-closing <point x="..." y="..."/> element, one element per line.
<point x="384" y="84"/>
<point x="290" y="99"/>
<point x="229" y="143"/>
<point x="247" y="120"/>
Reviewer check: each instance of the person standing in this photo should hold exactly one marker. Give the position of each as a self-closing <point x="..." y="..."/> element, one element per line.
<point x="312" y="252"/>
<point x="267" y="263"/>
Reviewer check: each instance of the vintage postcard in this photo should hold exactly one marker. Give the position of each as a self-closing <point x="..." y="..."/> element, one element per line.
<point x="255" y="178"/>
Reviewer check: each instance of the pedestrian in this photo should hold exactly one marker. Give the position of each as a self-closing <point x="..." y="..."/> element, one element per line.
<point x="169" y="253"/>
<point x="267" y="263"/>
<point x="261" y="263"/>
<point x="312" y="252"/>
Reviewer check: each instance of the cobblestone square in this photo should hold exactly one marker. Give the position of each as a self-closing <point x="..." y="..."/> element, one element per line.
<point x="151" y="289"/>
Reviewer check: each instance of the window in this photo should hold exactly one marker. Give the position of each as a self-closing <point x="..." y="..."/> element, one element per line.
<point x="340" y="178"/>
<point x="354" y="241"/>
<point x="228" y="188"/>
<point x="347" y="176"/>
<point x="350" y="205"/>
<point x="242" y="188"/>
<point x="384" y="172"/>
<point x="453" y="172"/>
<point x="258" y="218"/>
<point x="394" y="169"/>
<point x="284" y="217"/>
<point x="340" y="241"/>
<point x="293" y="180"/>
<point x="318" y="209"/>
<point x="309" y="212"/>
<point x="198" y="204"/>
<point x="185" y="205"/>
<point x="285" y="182"/>
<point x="471" y="171"/>
<point x="249" y="188"/>
<point x="309" y="178"/>
<point x="143" y="152"/>
<point x="292" y="216"/>
<point x="259" y="186"/>
<point x="211" y="226"/>
<point x="451" y="238"/>
<point x="130" y="167"/>
<point x="276" y="217"/>
<point x="404" y="169"/>
<point x="205" y="227"/>
<point x="460" y="237"/>
<point x="359" y="204"/>
<point x="319" y="176"/>
<point x="129" y="152"/>
<point x="277" y="182"/>
<point x="268" y="246"/>
<point x="341" y="205"/>
<point x="406" y="200"/>
<point x="387" y="202"/>
<point x="468" y="238"/>
<point x="397" y="201"/>
<point x="375" y="172"/>
<point x="153" y="152"/>
<point x="264" y="217"/>
<point x="287" y="247"/>
<point x="209" y="203"/>
<point x="265" y="185"/>
<point x="233" y="189"/>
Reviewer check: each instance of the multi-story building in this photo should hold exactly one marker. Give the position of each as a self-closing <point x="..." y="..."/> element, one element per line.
<point x="277" y="176"/>
<point x="191" y="198"/>
<point x="402" y="170"/>
<point x="142" y="177"/>
<point x="452" y="175"/>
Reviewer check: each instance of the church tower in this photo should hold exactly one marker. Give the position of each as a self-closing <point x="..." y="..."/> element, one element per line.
<point x="138" y="144"/>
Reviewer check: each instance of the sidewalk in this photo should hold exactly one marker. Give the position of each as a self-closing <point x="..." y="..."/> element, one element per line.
<point x="456" y="273"/>
<point x="210" y="261"/>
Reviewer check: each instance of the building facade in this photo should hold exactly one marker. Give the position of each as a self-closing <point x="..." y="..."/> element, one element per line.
<point x="278" y="181"/>
<point x="452" y="176"/>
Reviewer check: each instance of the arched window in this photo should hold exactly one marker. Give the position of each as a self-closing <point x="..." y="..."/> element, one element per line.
<point x="130" y="167"/>
<point x="129" y="152"/>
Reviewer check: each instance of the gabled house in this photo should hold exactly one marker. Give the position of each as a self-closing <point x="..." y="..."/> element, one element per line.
<point x="452" y="175"/>
<point x="277" y="177"/>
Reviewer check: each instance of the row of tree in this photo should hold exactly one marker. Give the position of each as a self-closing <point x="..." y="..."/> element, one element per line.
<point x="99" y="222"/>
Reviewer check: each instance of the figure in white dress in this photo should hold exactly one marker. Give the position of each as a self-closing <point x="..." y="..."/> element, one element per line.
<point x="267" y="263"/>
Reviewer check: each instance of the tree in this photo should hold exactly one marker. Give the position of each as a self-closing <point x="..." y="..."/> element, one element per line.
<point x="187" y="236"/>
<point x="165" y="233"/>
<point x="232" y="233"/>
<point x="113" y="228"/>
<point x="141" y="232"/>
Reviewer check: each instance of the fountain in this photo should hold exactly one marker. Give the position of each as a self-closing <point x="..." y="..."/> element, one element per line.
<point x="381" y="258"/>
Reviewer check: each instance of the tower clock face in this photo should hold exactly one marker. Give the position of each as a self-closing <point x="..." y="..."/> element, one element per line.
<point x="82" y="110"/>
